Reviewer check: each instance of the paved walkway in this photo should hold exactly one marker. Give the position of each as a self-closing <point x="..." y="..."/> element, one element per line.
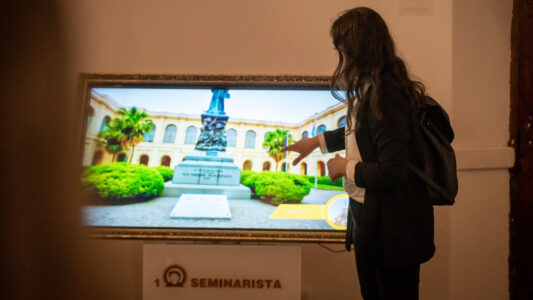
<point x="246" y="214"/>
<point x="320" y="196"/>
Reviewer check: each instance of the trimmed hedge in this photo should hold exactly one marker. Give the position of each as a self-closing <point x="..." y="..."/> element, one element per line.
<point x="278" y="187"/>
<point x="120" y="180"/>
<point x="165" y="171"/>
<point x="245" y="174"/>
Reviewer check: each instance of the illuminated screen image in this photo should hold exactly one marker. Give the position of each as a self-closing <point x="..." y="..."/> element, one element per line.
<point x="210" y="158"/>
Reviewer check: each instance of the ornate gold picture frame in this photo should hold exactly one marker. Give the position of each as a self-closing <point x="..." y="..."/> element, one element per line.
<point x="89" y="82"/>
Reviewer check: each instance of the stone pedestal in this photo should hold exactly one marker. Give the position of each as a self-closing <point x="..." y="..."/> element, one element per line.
<point x="207" y="168"/>
<point x="231" y="191"/>
<point x="207" y="172"/>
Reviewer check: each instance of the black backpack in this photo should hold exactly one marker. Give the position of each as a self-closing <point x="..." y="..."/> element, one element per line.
<point x="434" y="134"/>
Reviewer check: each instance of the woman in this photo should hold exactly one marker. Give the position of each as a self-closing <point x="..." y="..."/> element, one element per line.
<point x="390" y="218"/>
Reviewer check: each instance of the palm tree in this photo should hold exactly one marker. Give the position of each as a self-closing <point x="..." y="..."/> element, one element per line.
<point x="274" y="143"/>
<point x="133" y="124"/>
<point x="111" y="140"/>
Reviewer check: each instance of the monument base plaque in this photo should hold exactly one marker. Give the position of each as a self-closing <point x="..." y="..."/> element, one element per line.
<point x="201" y="206"/>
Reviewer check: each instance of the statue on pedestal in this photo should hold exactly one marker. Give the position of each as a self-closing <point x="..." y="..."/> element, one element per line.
<point x="213" y="134"/>
<point x="209" y="165"/>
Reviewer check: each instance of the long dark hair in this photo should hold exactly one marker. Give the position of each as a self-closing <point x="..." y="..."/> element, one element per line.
<point x="367" y="63"/>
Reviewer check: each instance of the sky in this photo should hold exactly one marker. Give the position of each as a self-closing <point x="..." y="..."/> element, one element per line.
<point x="288" y="106"/>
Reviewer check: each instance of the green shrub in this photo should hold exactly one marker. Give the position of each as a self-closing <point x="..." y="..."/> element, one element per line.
<point x="165" y="171"/>
<point x="123" y="180"/>
<point x="245" y="174"/>
<point x="281" y="187"/>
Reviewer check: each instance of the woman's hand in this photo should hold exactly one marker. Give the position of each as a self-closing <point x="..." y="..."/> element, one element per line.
<point x="337" y="167"/>
<point x="304" y="147"/>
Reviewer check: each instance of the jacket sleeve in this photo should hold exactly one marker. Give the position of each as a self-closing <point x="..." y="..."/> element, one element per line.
<point x="335" y="139"/>
<point x="390" y="138"/>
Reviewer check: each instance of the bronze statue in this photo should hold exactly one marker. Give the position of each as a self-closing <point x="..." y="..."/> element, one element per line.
<point x="213" y="134"/>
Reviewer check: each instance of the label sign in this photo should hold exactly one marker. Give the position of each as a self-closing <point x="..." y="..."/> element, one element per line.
<point x="172" y="271"/>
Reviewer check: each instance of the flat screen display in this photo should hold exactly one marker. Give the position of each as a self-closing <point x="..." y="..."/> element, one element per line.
<point x="209" y="158"/>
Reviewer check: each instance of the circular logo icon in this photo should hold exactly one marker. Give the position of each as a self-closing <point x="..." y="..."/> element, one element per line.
<point x="336" y="211"/>
<point x="174" y="276"/>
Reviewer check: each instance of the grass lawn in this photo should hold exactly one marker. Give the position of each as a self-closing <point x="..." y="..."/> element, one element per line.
<point x="329" y="187"/>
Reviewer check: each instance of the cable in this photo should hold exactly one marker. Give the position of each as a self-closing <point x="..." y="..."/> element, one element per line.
<point x="334" y="251"/>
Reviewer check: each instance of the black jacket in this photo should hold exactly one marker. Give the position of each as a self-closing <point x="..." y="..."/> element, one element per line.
<point x="396" y="225"/>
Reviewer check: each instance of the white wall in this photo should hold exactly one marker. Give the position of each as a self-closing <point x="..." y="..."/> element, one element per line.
<point x="460" y="50"/>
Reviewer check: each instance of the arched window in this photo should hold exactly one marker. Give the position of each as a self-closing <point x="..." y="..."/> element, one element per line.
<point x="149" y="136"/>
<point x="303" y="169"/>
<point x="250" y="139"/>
<point x="284" y="167"/>
<point x="97" y="157"/>
<point x="144" y="159"/>
<point x="231" y="136"/>
<point x="266" y="166"/>
<point x="90" y="115"/>
<point x="341" y="122"/>
<point x="170" y="134"/>
<point x="305" y="135"/>
<point x="321" y="129"/>
<point x="247" y="165"/>
<point x="190" y="135"/>
<point x="165" y="161"/>
<point x="122" y="157"/>
<point x="105" y="122"/>
<point x="320" y="168"/>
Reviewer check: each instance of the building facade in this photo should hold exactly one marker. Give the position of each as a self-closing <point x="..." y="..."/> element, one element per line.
<point x="173" y="136"/>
